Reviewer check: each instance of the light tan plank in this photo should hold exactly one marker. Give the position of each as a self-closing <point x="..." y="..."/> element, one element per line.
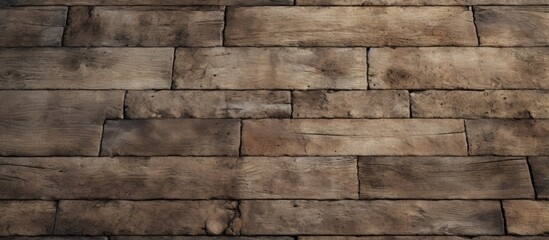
<point x="525" y="217"/>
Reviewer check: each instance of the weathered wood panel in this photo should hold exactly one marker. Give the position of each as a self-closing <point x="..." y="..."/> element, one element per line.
<point x="208" y="104"/>
<point x="149" y="2"/>
<point x="459" y="68"/>
<point x="42" y="123"/>
<point x="27" y="218"/>
<point x="144" y="218"/>
<point x="313" y="137"/>
<point x="86" y="68"/>
<point x="351" y="104"/>
<point x="270" y="68"/>
<point x="525" y="217"/>
<point x="31" y="26"/>
<point x="189" y="137"/>
<point x="350" y="26"/>
<point x="485" y="104"/>
<point x="508" y="137"/>
<point x="421" y="2"/>
<point x="540" y="175"/>
<point x="513" y="26"/>
<point x="178" y="178"/>
<point x="445" y="178"/>
<point x="371" y="217"/>
<point x="145" y="26"/>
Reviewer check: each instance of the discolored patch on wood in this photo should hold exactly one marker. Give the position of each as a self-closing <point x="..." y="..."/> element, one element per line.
<point x="270" y="68"/>
<point x="144" y="26"/>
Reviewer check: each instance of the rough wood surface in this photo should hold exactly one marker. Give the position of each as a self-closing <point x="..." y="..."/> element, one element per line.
<point x="480" y="104"/>
<point x="459" y="68"/>
<point x="351" y="26"/>
<point x="144" y="218"/>
<point x="42" y="123"/>
<point x="31" y="26"/>
<point x="525" y="217"/>
<point x="419" y="2"/>
<point x="145" y="26"/>
<point x="401" y="137"/>
<point x="178" y="178"/>
<point x="382" y="238"/>
<point x="27" y="218"/>
<point x="270" y="68"/>
<point x="508" y="137"/>
<point x="149" y="2"/>
<point x="540" y="175"/>
<point x="211" y="104"/>
<point x="187" y="137"/>
<point x="371" y="217"/>
<point x="513" y="26"/>
<point x="350" y="104"/>
<point x="86" y="68"/>
<point x="444" y="178"/>
<point x="199" y="238"/>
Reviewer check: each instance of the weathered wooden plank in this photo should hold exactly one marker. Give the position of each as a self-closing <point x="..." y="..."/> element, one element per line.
<point x="382" y="238"/>
<point x="350" y="104"/>
<point x="28" y="218"/>
<point x="32" y="26"/>
<point x="144" y="218"/>
<point x="350" y="26"/>
<point x="208" y="104"/>
<point x="485" y="104"/>
<point x="513" y="26"/>
<point x="459" y="68"/>
<point x="197" y="238"/>
<point x="371" y="217"/>
<point x="86" y="68"/>
<point x="42" y="123"/>
<point x="145" y="26"/>
<point x="421" y="2"/>
<point x="149" y="2"/>
<point x="161" y="137"/>
<point x="540" y="175"/>
<point x="525" y="217"/>
<point x="270" y="68"/>
<point x="445" y="178"/>
<point x="508" y="137"/>
<point x="297" y="137"/>
<point x="178" y="178"/>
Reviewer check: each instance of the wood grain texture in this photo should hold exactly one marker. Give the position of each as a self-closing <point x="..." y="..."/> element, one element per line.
<point x="508" y="137"/>
<point x="198" y="238"/>
<point x="187" y="137"/>
<point x="144" y="218"/>
<point x="421" y="2"/>
<point x="145" y="26"/>
<point x="513" y="26"/>
<point x="540" y="175"/>
<point x="351" y="26"/>
<point x="178" y="178"/>
<point x="382" y="238"/>
<point x="42" y="123"/>
<point x="316" y="137"/>
<point x="371" y="217"/>
<point x="350" y="104"/>
<point x="480" y="104"/>
<point x="270" y="68"/>
<point x="31" y="26"/>
<point x="27" y="218"/>
<point x="525" y="217"/>
<point x="444" y="178"/>
<point x="149" y="2"/>
<point x="459" y="68"/>
<point x="86" y="68"/>
<point x="208" y="104"/>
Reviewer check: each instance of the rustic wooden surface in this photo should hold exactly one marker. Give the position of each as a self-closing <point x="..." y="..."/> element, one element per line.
<point x="540" y="175"/>
<point x="527" y="217"/>
<point x="32" y="26"/>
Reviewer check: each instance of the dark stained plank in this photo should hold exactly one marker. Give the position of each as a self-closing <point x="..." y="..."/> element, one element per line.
<point x="270" y="68"/>
<point x="31" y="26"/>
<point x="540" y="175"/>
<point x="27" y="218"/>
<point x="86" y="68"/>
<point x="145" y="26"/>
<point x="371" y="217"/>
<point x="149" y="2"/>
<point x="355" y="26"/>
<point x="161" y="137"/>
<point x="444" y="178"/>
<point x="43" y="123"/>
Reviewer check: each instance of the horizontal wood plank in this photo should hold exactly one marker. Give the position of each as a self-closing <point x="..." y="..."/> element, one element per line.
<point x="150" y="2"/>
<point x="525" y="217"/>
<point x="350" y="26"/>
<point x="32" y="26"/>
<point x="27" y="218"/>
<point x="421" y="2"/>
